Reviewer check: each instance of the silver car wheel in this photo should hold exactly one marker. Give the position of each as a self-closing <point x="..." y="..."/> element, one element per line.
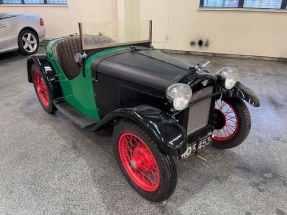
<point x="29" y="42"/>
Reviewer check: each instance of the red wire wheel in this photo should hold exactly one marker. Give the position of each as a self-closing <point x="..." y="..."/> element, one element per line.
<point x="139" y="162"/>
<point x="41" y="88"/>
<point x="228" y="124"/>
<point x="231" y="123"/>
<point x="44" y="94"/>
<point x="148" y="169"/>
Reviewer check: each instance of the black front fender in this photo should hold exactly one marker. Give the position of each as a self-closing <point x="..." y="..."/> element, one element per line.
<point x="243" y="92"/>
<point x="47" y="70"/>
<point x="164" y="130"/>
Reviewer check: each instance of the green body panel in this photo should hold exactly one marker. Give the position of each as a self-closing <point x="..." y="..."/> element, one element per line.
<point x="79" y="91"/>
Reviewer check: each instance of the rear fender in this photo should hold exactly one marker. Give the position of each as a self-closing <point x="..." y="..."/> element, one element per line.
<point x="163" y="129"/>
<point x="243" y="92"/>
<point x="47" y="70"/>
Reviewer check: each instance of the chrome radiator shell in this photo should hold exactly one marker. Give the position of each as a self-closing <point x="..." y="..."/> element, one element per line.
<point x="199" y="112"/>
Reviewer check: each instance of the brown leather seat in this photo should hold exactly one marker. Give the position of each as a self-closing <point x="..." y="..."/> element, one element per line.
<point x="64" y="51"/>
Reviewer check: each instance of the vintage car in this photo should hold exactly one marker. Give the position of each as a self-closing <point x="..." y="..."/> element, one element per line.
<point x="161" y="110"/>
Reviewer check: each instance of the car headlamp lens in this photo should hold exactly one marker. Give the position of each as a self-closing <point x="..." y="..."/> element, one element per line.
<point x="230" y="74"/>
<point x="180" y="95"/>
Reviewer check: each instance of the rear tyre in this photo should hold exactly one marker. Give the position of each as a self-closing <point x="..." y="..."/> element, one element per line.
<point x="151" y="172"/>
<point x="232" y="123"/>
<point x="43" y="92"/>
<point x="28" y="42"/>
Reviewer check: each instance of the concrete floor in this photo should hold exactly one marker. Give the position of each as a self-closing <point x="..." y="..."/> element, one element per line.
<point x="50" y="166"/>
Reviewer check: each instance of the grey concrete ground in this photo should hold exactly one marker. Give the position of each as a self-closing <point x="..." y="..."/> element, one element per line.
<point x="50" y="166"/>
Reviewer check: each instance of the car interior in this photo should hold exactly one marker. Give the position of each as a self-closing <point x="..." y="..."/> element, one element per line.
<point x="64" y="51"/>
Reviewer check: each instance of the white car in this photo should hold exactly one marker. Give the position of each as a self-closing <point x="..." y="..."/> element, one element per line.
<point x="21" y="32"/>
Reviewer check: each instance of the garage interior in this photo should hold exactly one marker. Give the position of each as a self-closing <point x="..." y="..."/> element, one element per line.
<point x="50" y="166"/>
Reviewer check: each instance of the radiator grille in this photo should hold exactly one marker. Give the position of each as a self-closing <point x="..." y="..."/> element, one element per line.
<point x="130" y="96"/>
<point x="199" y="112"/>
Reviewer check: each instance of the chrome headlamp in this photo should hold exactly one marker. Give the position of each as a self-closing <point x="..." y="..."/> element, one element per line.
<point x="179" y="95"/>
<point x="230" y="74"/>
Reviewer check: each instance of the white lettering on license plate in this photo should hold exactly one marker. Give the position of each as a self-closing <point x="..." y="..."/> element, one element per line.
<point x="204" y="142"/>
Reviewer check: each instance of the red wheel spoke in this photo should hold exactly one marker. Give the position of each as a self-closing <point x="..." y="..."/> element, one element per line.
<point x="223" y="104"/>
<point x="37" y="80"/>
<point x="42" y="88"/>
<point x="225" y="133"/>
<point x="130" y="143"/>
<point x="228" y="112"/>
<point x="140" y="173"/>
<point x="221" y="133"/>
<point x="150" y="179"/>
<point x="155" y="175"/>
<point x="230" y="117"/>
<point x="233" y="125"/>
<point x="232" y="129"/>
<point x="128" y="147"/>
<point x="127" y="154"/>
<point x="218" y="133"/>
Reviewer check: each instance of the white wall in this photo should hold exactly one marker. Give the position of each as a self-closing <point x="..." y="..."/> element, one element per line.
<point x="63" y="20"/>
<point x="176" y="23"/>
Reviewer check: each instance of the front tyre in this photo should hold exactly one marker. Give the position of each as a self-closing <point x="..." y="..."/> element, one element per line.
<point x="43" y="92"/>
<point x="148" y="170"/>
<point x="28" y="42"/>
<point x="232" y="123"/>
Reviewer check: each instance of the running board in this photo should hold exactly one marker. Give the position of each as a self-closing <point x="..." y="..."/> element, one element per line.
<point x="77" y="117"/>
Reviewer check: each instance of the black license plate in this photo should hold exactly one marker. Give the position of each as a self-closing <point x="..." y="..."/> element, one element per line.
<point x="191" y="149"/>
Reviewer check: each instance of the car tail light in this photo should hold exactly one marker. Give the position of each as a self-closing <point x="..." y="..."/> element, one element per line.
<point x="41" y="22"/>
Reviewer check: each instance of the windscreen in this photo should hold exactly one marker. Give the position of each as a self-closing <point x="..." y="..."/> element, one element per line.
<point x="109" y="34"/>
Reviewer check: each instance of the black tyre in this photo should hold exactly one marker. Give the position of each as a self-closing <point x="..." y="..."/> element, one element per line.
<point x="43" y="92"/>
<point x="28" y="42"/>
<point x="150" y="171"/>
<point x="232" y="123"/>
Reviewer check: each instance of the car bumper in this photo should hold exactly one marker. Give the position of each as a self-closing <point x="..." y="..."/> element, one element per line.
<point x="42" y="34"/>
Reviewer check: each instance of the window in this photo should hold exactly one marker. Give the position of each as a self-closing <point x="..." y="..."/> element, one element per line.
<point x="274" y="4"/>
<point x="261" y="4"/>
<point x="220" y="3"/>
<point x="63" y="2"/>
